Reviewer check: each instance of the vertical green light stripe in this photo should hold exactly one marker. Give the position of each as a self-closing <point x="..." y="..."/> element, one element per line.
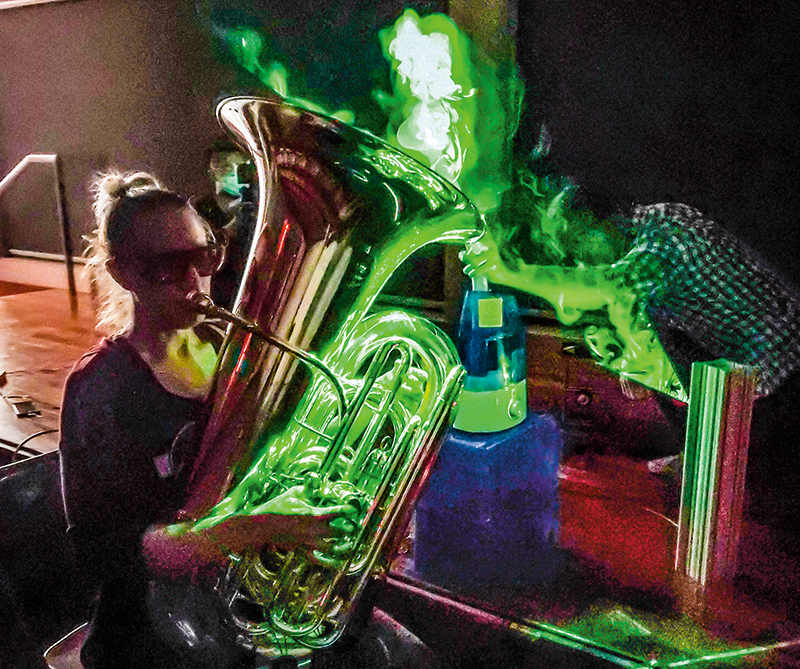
<point x="706" y="408"/>
<point x="711" y="449"/>
<point x="699" y="492"/>
<point x="697" y="483"/>
<point x="715" y="394"/>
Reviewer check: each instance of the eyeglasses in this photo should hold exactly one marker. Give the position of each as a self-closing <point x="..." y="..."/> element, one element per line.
<point x="172" y="267"/>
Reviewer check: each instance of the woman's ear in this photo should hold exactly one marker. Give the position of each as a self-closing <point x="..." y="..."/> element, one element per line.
<point x="119" y="274"/>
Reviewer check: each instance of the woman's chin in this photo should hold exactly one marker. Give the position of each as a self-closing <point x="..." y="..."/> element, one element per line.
<point x="179" y="320"/>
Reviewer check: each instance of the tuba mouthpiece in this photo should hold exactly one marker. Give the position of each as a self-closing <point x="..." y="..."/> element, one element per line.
<point x="201" y="301"/>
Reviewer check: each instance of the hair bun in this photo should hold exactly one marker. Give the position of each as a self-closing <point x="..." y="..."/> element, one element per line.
<point x="110" y="188"/>
<point x="116" y="185"/>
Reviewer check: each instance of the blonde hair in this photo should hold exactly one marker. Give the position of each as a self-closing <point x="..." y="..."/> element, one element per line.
<point x="117" y="197"/>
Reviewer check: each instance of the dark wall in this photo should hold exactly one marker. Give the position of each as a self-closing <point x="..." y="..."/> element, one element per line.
<point x="654" y="100"/>
<point x="101" y="82"/>
<point x="133" y="83"/>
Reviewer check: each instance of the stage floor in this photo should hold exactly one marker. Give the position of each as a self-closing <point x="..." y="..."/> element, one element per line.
<point x="40" y="341"/>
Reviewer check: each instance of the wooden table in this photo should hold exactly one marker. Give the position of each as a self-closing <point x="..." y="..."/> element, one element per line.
<point x="40" y="341"/>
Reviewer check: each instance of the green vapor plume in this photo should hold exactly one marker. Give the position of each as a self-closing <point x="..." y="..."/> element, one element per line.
<point x="451" y="108"/>
<point x="539" y="243"/>
<point x="434" y="84"/>
<point x="456" y="110"/>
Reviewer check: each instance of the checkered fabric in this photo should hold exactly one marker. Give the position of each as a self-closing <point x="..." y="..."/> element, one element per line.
<point x="694" y="276"/>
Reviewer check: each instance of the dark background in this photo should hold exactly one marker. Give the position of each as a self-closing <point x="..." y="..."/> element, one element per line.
<point x="668" y="100"/>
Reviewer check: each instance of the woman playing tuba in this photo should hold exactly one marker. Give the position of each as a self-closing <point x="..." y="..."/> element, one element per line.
<point x="130" y="407"/>
<point x="176" y="462"/>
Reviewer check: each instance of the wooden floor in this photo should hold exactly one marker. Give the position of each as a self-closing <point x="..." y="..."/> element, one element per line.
<point x="9" y="288"/>
<point x="40" y="341"/>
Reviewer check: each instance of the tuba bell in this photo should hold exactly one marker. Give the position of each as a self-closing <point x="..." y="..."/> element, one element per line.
<point x="320" y="398"/>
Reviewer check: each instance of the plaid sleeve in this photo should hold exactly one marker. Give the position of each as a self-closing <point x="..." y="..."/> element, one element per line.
<point x="693" y="275"/>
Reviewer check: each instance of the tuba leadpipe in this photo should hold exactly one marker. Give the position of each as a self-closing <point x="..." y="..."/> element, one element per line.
<point x="339" y="211"/>
<point x="203" y="304"/>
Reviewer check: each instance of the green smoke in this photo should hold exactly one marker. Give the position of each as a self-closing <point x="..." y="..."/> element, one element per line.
<point x="565" y="254"/>
<point x="451" y="108"/>
<point x="435" y="92"/>
<point x="457" y="110"/>
<point x="539" y="223"/>
<point x="246" y="45"/>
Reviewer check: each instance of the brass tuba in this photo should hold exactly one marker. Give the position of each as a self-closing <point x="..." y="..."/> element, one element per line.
<point x="320" y="399"/>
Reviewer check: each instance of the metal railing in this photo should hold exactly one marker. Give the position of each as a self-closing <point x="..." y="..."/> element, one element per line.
<point x="52" y="159"/>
